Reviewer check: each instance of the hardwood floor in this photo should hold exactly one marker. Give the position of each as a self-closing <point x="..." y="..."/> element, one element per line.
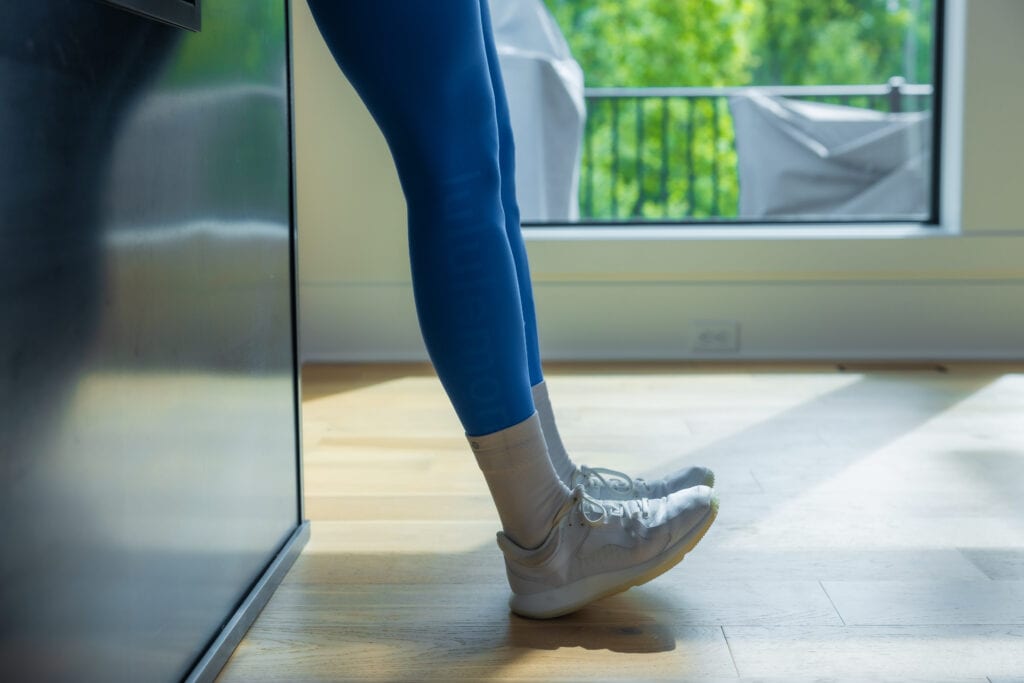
<point x="871" y="528"/>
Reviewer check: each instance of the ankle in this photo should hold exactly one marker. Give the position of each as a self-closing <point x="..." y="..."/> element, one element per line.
<point x="560" y="459"/>
<point x="527" y="491"/>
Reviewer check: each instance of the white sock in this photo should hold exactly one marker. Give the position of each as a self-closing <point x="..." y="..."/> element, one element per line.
<point x="525" y="487"/>
<point x="556" y="449"/>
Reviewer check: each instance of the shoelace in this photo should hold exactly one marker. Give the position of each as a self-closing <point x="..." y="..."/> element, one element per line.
<point x="596" y="477"/>
<point x="606" y="509"/>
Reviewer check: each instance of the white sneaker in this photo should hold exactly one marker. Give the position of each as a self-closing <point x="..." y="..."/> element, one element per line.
<point x="599" y="548"/>
<point x="605" y="484"/>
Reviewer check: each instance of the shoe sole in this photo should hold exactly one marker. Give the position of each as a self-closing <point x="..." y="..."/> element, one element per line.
<point x="569" y="598"/>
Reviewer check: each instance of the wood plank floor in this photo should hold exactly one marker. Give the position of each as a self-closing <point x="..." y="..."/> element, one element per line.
<point x="871" y="528"/>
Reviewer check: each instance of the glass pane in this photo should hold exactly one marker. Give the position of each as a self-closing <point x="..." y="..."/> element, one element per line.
<point x="720" y="110"/>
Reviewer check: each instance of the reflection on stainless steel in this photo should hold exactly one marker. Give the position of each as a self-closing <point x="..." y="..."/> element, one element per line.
<point x="148" y="467"/>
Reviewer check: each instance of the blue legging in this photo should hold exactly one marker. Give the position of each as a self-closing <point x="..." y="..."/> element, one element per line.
<point x="428" y="73"/>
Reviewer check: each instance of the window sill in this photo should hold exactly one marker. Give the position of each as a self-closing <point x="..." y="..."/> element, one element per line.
<point x="777" y="253"/>
<point x="738" y="232"/>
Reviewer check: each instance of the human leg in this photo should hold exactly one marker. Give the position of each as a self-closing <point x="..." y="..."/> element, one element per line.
<point x="419" y="68"/>
<point x="509" y="200"/>
<point x="601" y="483"/>
<point x="422" y="70"/>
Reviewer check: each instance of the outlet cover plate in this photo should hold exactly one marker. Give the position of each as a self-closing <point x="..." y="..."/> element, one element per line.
<point x="722" y="336"/>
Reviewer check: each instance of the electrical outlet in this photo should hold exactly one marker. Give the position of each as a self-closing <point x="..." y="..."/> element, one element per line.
<point x="715" y="335"/>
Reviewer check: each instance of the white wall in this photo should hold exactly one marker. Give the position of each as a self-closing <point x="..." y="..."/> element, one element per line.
<point x="850" y="293"/>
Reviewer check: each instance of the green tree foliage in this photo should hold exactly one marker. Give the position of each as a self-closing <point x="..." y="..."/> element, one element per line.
<point x="675" y="157"/>
<point x="659" y="42"/>
<point x="809" y="42"/>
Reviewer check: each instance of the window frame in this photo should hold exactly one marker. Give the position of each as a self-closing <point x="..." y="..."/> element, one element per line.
<point x="713" y="227"/>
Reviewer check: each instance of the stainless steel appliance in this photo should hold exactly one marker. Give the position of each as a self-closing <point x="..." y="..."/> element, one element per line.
<point x="150" y="489"/>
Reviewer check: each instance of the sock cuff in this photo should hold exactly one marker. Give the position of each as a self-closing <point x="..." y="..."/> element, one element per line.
<point x="492" y="450"/>
<point x="560" y="459"/>
<point x="540" y="392"/>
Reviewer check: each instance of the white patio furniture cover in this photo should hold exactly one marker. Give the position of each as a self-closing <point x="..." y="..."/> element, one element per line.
<point x="809" y="160"/>
<point x="545" y="94"/>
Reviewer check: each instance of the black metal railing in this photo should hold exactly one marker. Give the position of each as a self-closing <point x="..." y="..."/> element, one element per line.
<point x="670" y="153"/>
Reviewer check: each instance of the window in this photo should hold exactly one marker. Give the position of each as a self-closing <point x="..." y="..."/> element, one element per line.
<point x="732" y="111"/>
